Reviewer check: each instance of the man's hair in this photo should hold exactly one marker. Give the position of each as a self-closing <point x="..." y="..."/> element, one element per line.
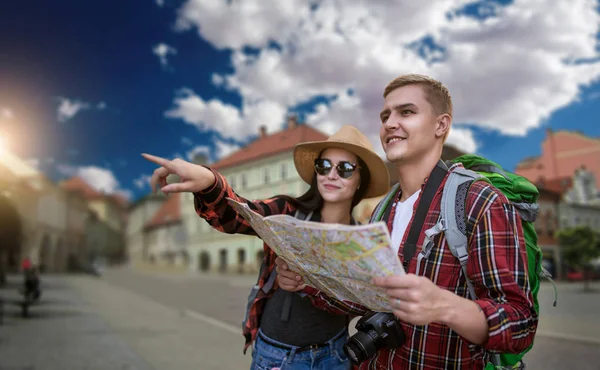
<point x="435" y="92"/>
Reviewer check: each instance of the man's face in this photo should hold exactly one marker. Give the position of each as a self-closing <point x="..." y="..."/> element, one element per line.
<point x="408" y="125"/>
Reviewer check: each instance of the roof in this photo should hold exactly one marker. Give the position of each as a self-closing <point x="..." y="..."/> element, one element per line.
<point x="557" y="185"/>
<point x="529" y="161"/>
<point x="168" y="213"/>
<point x="79" y="185"/>
<point x="269" y="145"/>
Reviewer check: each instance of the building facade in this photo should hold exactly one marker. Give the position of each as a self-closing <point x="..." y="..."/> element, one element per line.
<point x="42" y="209"/>
<point x="166" y="235"/>
<point x="108" y="219"/>
<point x="139" y="214"/>
<point x="563" y="154"/>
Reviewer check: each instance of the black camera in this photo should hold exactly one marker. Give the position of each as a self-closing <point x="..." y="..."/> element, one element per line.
<point x="376" y="330"/>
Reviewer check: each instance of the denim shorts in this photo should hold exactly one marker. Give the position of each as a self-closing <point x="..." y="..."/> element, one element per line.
<point x="269" y="354"/>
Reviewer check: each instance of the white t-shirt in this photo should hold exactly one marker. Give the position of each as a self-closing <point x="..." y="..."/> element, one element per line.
<point x="404" y="211"/>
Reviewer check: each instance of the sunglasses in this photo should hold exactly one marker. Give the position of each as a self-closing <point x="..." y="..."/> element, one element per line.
<point x="344" y="169"/>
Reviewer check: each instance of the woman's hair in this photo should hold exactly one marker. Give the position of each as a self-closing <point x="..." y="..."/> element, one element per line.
<point x="312" y="199"/>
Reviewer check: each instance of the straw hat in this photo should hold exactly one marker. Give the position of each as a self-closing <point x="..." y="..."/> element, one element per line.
<point x="352" y="140"/>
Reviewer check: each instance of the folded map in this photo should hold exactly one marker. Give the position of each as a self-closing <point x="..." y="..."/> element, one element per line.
<point x="339" y="260"/>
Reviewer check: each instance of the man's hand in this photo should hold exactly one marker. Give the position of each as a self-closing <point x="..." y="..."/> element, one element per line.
<point x="194" y="178"/>
<point x="415" y="299"/>
<point x="287" y="279"/>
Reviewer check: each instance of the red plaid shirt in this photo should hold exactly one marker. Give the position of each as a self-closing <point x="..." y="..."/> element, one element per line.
<point x="211" y="205"/>
<point x="498" y="269"/>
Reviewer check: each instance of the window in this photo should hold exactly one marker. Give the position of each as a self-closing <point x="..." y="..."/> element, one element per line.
<point x="244" y="181"/>
<point x="283" y="171"/>
<point x="266" y="176"/>
<point x="232" y="181"/>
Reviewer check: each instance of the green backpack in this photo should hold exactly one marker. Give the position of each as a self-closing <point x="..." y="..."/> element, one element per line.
<point x="521" y="192"/>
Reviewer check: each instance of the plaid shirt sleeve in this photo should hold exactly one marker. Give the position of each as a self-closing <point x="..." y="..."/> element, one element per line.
<point x="211" y="204"/>
<point x="498" y="268"/>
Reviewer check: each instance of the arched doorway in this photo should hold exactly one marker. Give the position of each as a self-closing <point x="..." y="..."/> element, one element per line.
<point x="241" y="254"/>
<point x="223" y="260"/>
<point x="10" y="238"/>
<point x="204" y="261"/>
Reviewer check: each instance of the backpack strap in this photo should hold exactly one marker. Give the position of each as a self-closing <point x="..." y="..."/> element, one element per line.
<point x="431" y="187"/>
<point x="383" y="205"/>
<point x="453" y="218"/>
<point x="287" y="301"/>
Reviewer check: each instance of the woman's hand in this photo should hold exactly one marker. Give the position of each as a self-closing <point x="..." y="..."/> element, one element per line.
<point x="288" y="280"/>
<point x="194" y="178"/>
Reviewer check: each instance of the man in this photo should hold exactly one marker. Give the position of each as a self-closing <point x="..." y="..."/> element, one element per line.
<point x="444" y="328"/>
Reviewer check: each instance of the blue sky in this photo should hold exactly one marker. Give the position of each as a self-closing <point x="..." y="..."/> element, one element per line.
<point x="234" y="68"/>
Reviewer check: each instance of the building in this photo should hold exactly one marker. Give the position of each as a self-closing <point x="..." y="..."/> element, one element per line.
<point x="39" y="230"/>
<point x="105" y="232"/>
<point x="166" y="236"/>
<point x="262" y="169"/>
<point x="136" y="238"/>
<point x="563" y="153"/>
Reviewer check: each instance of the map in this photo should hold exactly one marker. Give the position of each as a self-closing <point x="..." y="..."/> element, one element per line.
<point x="339" y="260"/>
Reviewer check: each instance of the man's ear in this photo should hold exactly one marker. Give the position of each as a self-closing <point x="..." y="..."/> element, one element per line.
<point x="443" y="123"/>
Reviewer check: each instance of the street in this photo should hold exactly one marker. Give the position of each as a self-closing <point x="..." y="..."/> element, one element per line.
<point x="132" y="320"/>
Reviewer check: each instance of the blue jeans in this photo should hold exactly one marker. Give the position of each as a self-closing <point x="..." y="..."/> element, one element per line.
<point x="269" y="354"/>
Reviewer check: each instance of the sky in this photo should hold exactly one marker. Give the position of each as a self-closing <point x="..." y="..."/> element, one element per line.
<point x="86" y="86"/>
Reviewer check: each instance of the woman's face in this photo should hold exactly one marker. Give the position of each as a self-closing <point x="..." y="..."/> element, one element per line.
<point x="332" y="185"/>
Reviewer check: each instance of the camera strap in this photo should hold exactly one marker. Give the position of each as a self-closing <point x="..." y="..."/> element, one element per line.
<point x="433" y="183"/>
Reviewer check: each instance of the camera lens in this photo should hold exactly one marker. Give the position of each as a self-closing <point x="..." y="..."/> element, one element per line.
<point x="361" y="346"/>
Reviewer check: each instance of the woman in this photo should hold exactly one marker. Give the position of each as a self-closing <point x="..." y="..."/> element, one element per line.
<point x="307" y="329"/>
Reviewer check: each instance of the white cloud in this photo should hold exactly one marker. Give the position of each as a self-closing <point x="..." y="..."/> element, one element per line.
<point x="508" y="71"/>
<point x="198" y="150"/>
<point x="160" y="3"/>
<point x="223" y="149"/>
<point x="187" y="141"/>
<point x="101" y="179"/>
<point x="7" y="113"/>
<point x="226" y="119"/>
<point x="126" y="193"/>
<point x="162" y="51"/>
<point x="68" y="108"/>
<point x="142" y="182"/>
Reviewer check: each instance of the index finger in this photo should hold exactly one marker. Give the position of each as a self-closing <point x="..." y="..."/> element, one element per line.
<point x="159" y="161"/>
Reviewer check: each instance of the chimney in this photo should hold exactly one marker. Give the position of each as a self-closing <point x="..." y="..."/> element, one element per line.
<point x="263" y="131"/>
<point x="292" y="121"/>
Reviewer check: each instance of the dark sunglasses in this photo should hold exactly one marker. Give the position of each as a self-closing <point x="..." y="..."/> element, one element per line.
<point x="344" y="169"/>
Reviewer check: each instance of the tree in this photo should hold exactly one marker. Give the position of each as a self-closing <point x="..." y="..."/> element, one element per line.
<point x="579" y="246"/>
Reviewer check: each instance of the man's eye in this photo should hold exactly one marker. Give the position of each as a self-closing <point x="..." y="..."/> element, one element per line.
<point x="406" y="112"/>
